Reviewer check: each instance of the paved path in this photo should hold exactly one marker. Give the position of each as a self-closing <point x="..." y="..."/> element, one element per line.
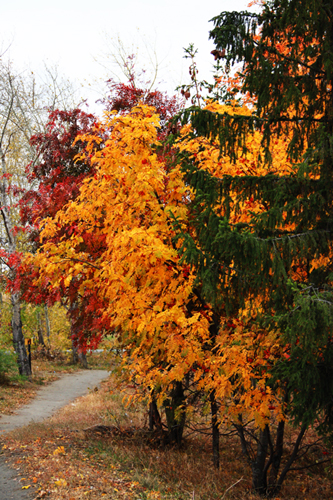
<point x="49" y="399"/>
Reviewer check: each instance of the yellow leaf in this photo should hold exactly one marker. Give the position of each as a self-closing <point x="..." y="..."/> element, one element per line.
<point x="60" y="482"/>
<point x="59" y="451"/>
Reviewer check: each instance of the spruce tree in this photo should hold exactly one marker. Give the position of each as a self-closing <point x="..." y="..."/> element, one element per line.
<point x="284" y="254"/>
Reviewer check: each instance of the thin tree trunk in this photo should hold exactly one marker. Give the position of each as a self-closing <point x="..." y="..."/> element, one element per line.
<point x="39" y="330"/>
<point x="259" y="475"/>
<point x="47" y="323"/>
<point x="83" y="359"/>
<point x="78" y="356"/>
<point x="75" y="356"/>
<point x="277" y="456"/>
<point x="289" y="463"/>
<point x="18" y="339"/>
<point x="154" y="415"/>
<point x="175" y="413"/>
<point x="215" y="430"/>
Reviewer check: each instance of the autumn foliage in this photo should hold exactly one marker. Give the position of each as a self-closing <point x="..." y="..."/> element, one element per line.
<point x="117" y="257"/>
<point x="116" y="247"/>
<point x="208" y="261"/>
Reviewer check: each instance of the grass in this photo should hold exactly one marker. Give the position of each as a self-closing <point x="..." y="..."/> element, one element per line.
<point x="60" y="460"/>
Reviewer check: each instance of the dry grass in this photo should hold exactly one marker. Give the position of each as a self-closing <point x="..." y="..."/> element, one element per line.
<point x="61" y="461"/>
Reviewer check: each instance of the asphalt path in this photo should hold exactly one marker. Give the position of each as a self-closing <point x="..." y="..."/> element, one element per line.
<point x="49" y="399"/>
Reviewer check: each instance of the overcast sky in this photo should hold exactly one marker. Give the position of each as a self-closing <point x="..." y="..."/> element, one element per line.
<point x="76" y="35"/>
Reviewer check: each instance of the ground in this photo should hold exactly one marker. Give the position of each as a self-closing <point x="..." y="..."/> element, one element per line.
<point x="67" y="458"/>
<point x="47" y="401"/>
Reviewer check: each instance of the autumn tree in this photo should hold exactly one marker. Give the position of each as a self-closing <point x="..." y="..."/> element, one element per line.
<point x="58" y="177"/>
<point x="276" y="262"/>
<point x="113" y="246"/>
<point x="59" y="174"/>
<point x="122" y="97"/>
<point x="55" y="171"/>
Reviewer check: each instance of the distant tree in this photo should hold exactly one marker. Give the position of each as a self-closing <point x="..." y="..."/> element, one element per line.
<point x="122" y="97"/>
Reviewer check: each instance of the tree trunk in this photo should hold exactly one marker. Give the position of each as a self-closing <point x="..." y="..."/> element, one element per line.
<point x="75" y="356"/>
<point x="259" y="475"/>
<point x="154" y="414"/>
<point x="274" y="491"/>
<point x="83" y="359"/>
<point x="78" y="357"/>
<point x="40" y="337"/>
<point x="215" y="431"/>
<point x="47" y="324"/>
<point x="277" y="456"/>
<point x="175" y="413"/>
<point x="39" y="330"/>
<point x="18" y="339"/>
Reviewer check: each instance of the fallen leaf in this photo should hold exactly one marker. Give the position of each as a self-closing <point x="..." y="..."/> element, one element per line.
<point x="41" y="494"/>
<point x="60" y="482"/>
<point x="59" y="451"/>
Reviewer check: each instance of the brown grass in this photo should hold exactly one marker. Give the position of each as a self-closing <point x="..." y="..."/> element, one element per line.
<point x="61" y="461"/>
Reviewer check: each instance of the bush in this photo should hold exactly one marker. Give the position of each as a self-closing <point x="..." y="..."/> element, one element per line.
<point x="7" y="364"/>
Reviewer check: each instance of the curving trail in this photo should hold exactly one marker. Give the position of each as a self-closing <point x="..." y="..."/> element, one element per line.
<point x="49" y="399"/>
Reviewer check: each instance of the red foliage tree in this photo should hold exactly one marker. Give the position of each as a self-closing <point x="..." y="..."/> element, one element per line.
<point x="57" y="173"/>
<point x="123" y="97"/>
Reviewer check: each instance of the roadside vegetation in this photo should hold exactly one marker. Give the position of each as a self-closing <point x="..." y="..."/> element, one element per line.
<point x="98" y="447"/>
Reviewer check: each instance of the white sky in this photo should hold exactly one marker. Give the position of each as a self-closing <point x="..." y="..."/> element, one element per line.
<point x="73" y="33"/>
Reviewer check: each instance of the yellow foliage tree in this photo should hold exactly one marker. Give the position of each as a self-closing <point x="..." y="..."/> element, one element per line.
<point x="141" y="289"/>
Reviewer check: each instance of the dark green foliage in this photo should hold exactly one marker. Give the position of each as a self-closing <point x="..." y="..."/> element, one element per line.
<point x="7" y="364"/>
<point x="282" y="81"/>
<point x="289" y="70"/>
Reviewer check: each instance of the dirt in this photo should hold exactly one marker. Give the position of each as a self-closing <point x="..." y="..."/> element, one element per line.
<point x="48" y="400"/>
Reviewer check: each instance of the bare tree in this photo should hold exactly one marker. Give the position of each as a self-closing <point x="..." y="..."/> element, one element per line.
<point x="136" y="62"/>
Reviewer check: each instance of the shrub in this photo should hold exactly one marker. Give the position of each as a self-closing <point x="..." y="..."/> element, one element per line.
<point x="7" y="364"/>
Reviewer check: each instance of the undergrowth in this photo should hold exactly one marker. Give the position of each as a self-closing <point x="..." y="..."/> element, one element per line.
<point x="68" y="458"/>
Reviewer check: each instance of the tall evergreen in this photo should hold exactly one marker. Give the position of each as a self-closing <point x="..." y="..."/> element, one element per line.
<point x="284" y="254"/>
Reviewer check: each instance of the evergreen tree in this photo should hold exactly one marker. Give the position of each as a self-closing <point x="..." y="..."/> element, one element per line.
<point x="283" y="255"/>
